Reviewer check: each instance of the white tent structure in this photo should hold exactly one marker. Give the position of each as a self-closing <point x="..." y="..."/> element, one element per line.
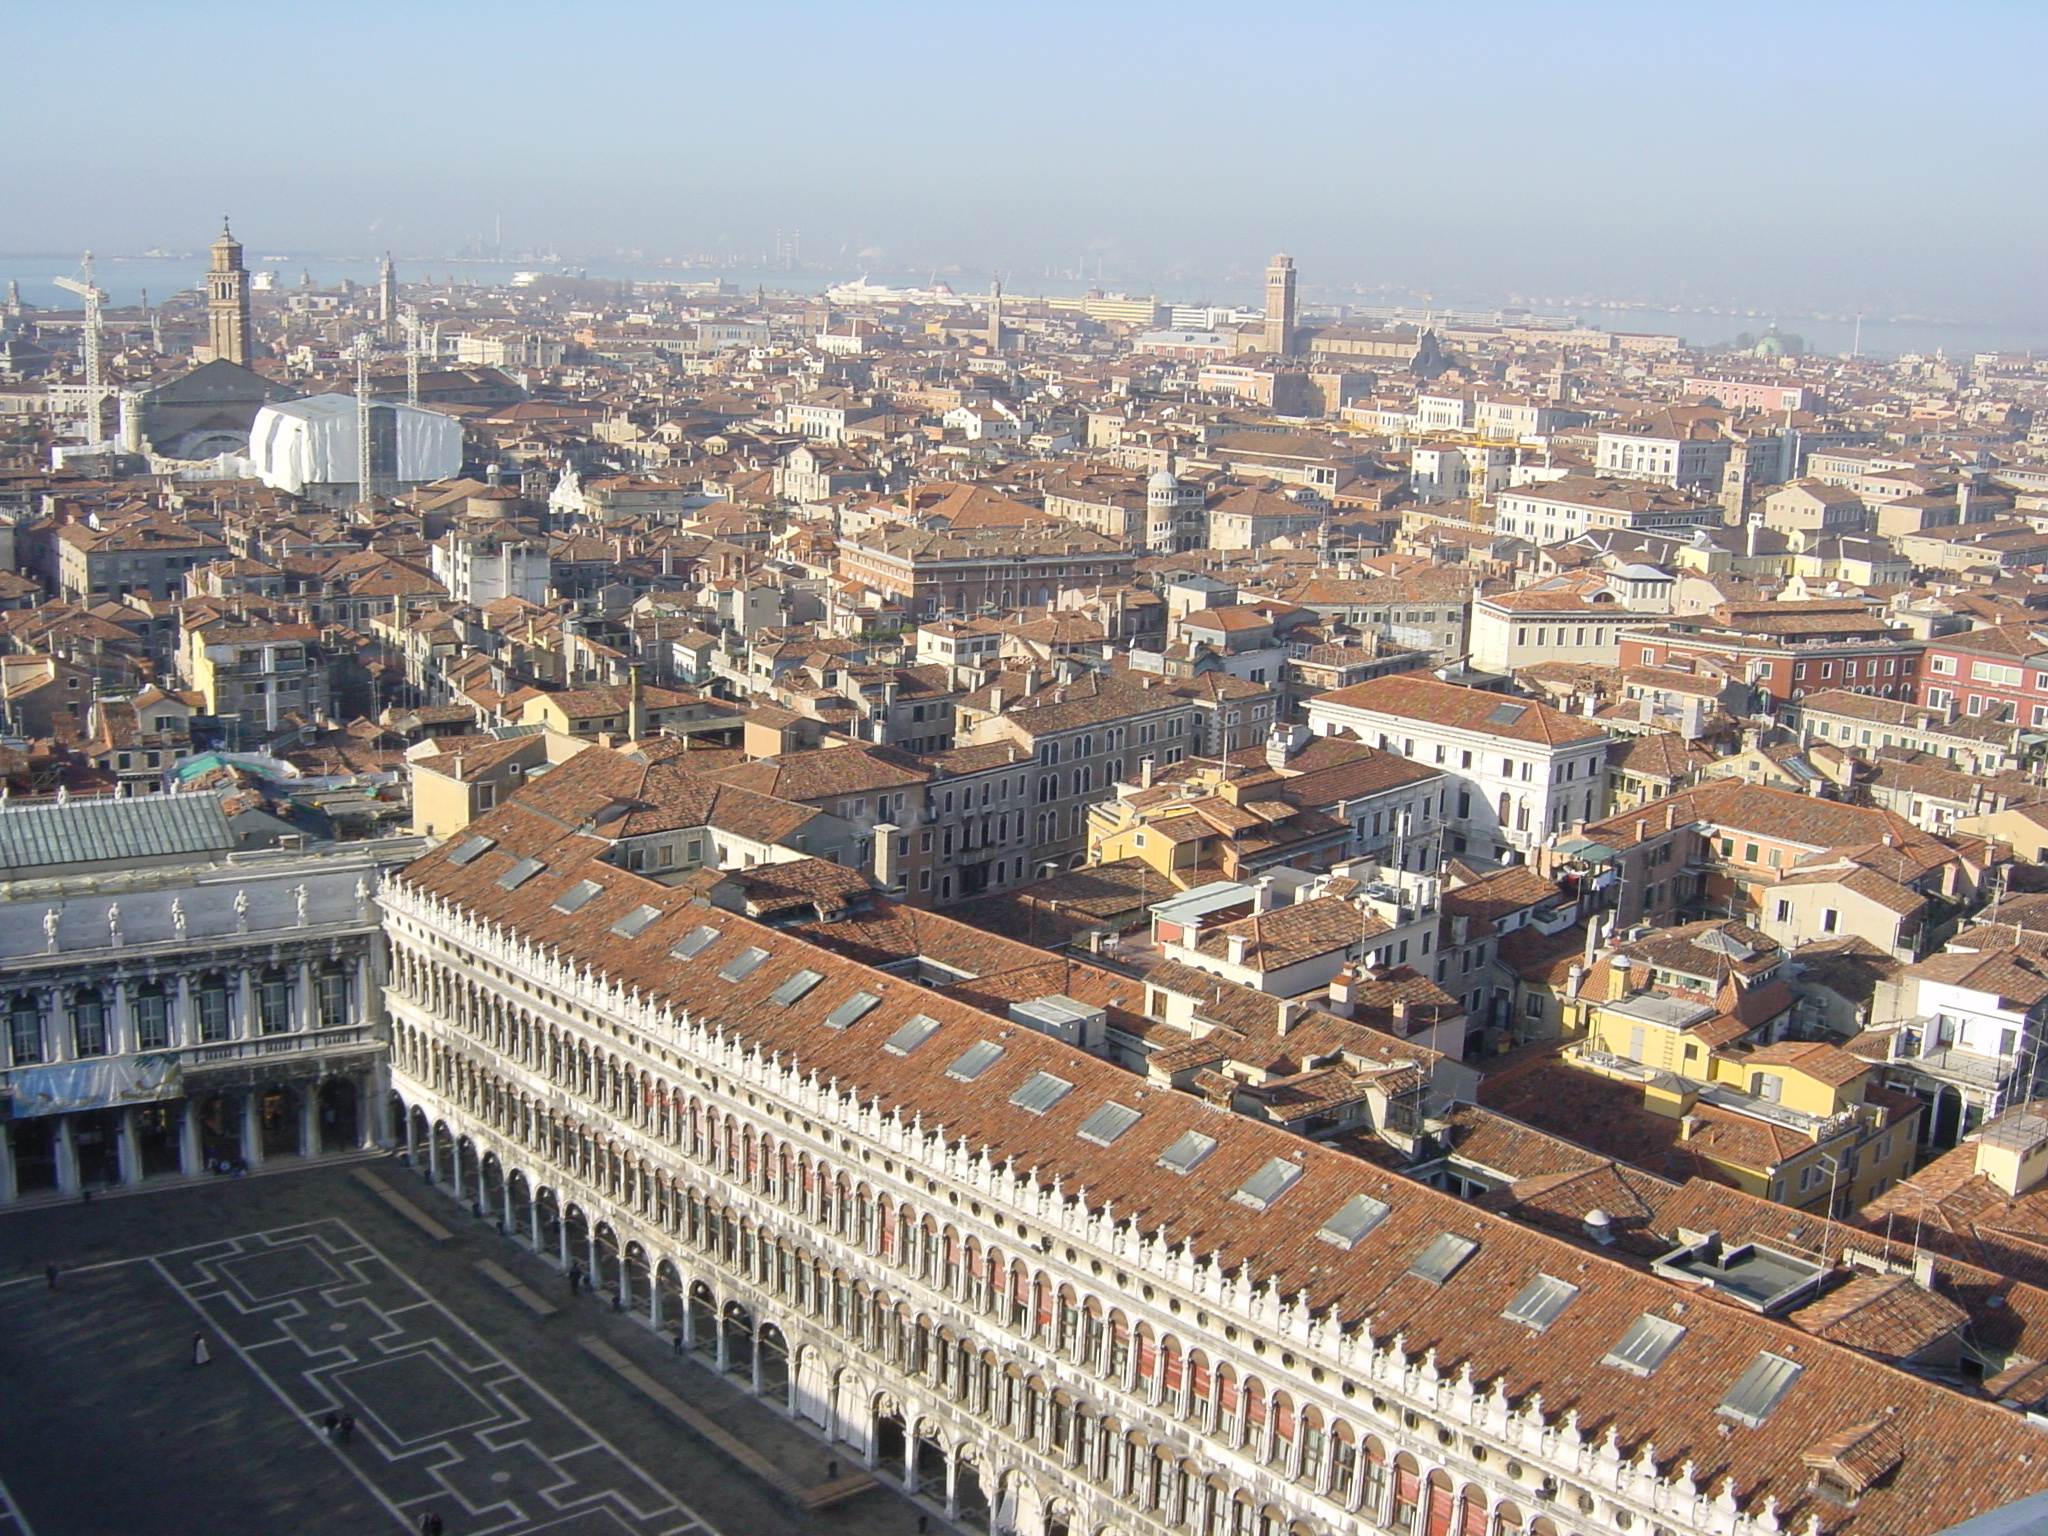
<point x="310" y="447"/>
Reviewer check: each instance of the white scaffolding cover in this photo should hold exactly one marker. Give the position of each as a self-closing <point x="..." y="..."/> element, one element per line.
<point x="297" y="443"/>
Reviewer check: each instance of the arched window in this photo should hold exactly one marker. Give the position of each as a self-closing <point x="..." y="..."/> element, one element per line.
<point x="88" y="1022"/>
<point x="273" y="1001"/>
<point x="25" y="1029"/>
<point x="152" y="1017"/>
<point x="210" y="1000"/>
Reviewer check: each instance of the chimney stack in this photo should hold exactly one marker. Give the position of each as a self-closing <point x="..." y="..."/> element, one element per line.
<point x="1240" y="947"/>
<point x="1619" y="980"/>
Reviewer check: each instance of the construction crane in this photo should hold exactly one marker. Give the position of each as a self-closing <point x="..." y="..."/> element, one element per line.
<point x="365" y="476"/>
<point x="412" y="355"/>
<point x="92" y="347"/>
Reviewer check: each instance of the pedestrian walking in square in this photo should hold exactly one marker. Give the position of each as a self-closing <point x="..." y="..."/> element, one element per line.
<point x="201" y="1355"/>
<point x="50" y="1274"/>
<point x="348" y="1426"/>
<point x="332" y="1424"/>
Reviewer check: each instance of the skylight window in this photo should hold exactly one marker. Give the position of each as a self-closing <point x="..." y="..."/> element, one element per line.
<point x="1643" y="1348"/>
<point x="1269" y="1183"/>
<point x="1107" y="1123"/>
<point x="1760" y="1388"/>
<point x="975" y="1060"/>
<point x="1440" y="1260"/>
<point x="578" y="895"/>
<point x="1187" y="1152"/>
<point x="911" y="1035"/>
<point x="795" y="988"/>
<point x="630" y="925"/>
<point x="1541" y="1302"/>
<point x="854" y="1008"/>
<point x="744" y="964"/>
<point x="1040" y="1092"/>
<point x="1355" y="1217"/>
<point x="520" y="873"/>
<point x="693" y="943"/>
<point x="1506" y="714"/>
<point x="470" y="849"/>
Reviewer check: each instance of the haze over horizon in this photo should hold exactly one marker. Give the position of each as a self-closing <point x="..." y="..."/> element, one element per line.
<point x="1814" y="156"/>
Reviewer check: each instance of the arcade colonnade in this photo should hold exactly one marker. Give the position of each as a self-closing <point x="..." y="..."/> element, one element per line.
<point x="1013" y="1392"/>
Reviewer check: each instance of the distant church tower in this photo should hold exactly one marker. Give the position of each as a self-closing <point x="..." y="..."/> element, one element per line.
<point x="1279" y="338"/>
<point x="227" y="300"/>
<point x="387" y="294"/>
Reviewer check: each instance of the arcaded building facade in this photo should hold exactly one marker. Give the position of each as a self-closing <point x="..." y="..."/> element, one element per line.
<point x="1052" y="1298"/>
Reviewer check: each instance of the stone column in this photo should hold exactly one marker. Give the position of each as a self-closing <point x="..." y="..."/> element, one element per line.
<point x="252" y="1126"/>
<point x="373" y="1113"/>
<point x="953" y="1486"/>
<point x="305" y="1016"/>
<point x="723" y="1355"/>
<point x="561" y="1233"/>
<point x="309" y="1121"/>
<point x="433" y="1156"/>
<point x="533" y="1216"/>
<point x="507" y="1211"/>
<point x="625" y="1281"/>
<point x="455" y="1163"/>
<point x="412" y="1143"/>
<point x="6" y="1164"/>
<point x="191" y="1153"/>
<point x="184" y="1028"/>
<point x="67" y="1157"/>
<point x="121" y="1019"/>
<point x="131" y="1148"/>
<point x="245" y="1004"/>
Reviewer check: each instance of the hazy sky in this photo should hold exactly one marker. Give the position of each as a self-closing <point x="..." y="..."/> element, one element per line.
<point x="1868" y="155"/>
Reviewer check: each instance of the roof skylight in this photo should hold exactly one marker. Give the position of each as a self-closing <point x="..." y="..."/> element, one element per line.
<point x="1643" y="1347"/>
<point x="1187" y="1151"/>
<point x="578" y="895"/>
<point x="1440" y="1260"/>
<point x="693" y="943"/>
<point x="1354" y="1218"/>
<point x="1107" y="1123"/>
<point x="630" y="925"/>
<point x="853" y="1009"/>
<point x="743" y="964"/>
<point x="520" y="873"/>
<point x="1541" y="1302"/>
<point x="911" y="1035"/>
<point x="795" y="988"/>
<point x="1040" y="1092"/>
<point x="975" y="1060"/>
<point x="1760" y="1388"/>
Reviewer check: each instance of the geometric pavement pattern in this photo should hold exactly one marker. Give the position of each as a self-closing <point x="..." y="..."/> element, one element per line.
<point x="443" y="1421"/>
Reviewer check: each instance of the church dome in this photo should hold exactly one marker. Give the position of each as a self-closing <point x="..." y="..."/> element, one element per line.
<point x="1162" y="483"/>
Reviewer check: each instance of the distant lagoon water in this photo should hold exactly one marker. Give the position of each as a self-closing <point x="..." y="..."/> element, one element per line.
<point x="127" y="278"/>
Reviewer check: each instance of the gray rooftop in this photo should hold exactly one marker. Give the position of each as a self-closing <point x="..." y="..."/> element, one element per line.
<point x="102" y="831"/>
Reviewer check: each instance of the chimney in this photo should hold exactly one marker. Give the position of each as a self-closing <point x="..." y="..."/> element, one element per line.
<point x="1404" y="1017"/>
<point x="1288" y="1016"/>
<point x="884" y="861"/>
<point x="1687" y="1126"/>
<point x="1263" y="899"/>
<point x="1145" y="773"/>
<point x="1619" y="980"/>
<point x="1240" y="946"/>
<point x="995" y="701"/>
<point x="1600" y="1227"/>
<point x="1964" y="491"/>
<point x="1343" y="996"/>
<point x="636" y="704"/>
